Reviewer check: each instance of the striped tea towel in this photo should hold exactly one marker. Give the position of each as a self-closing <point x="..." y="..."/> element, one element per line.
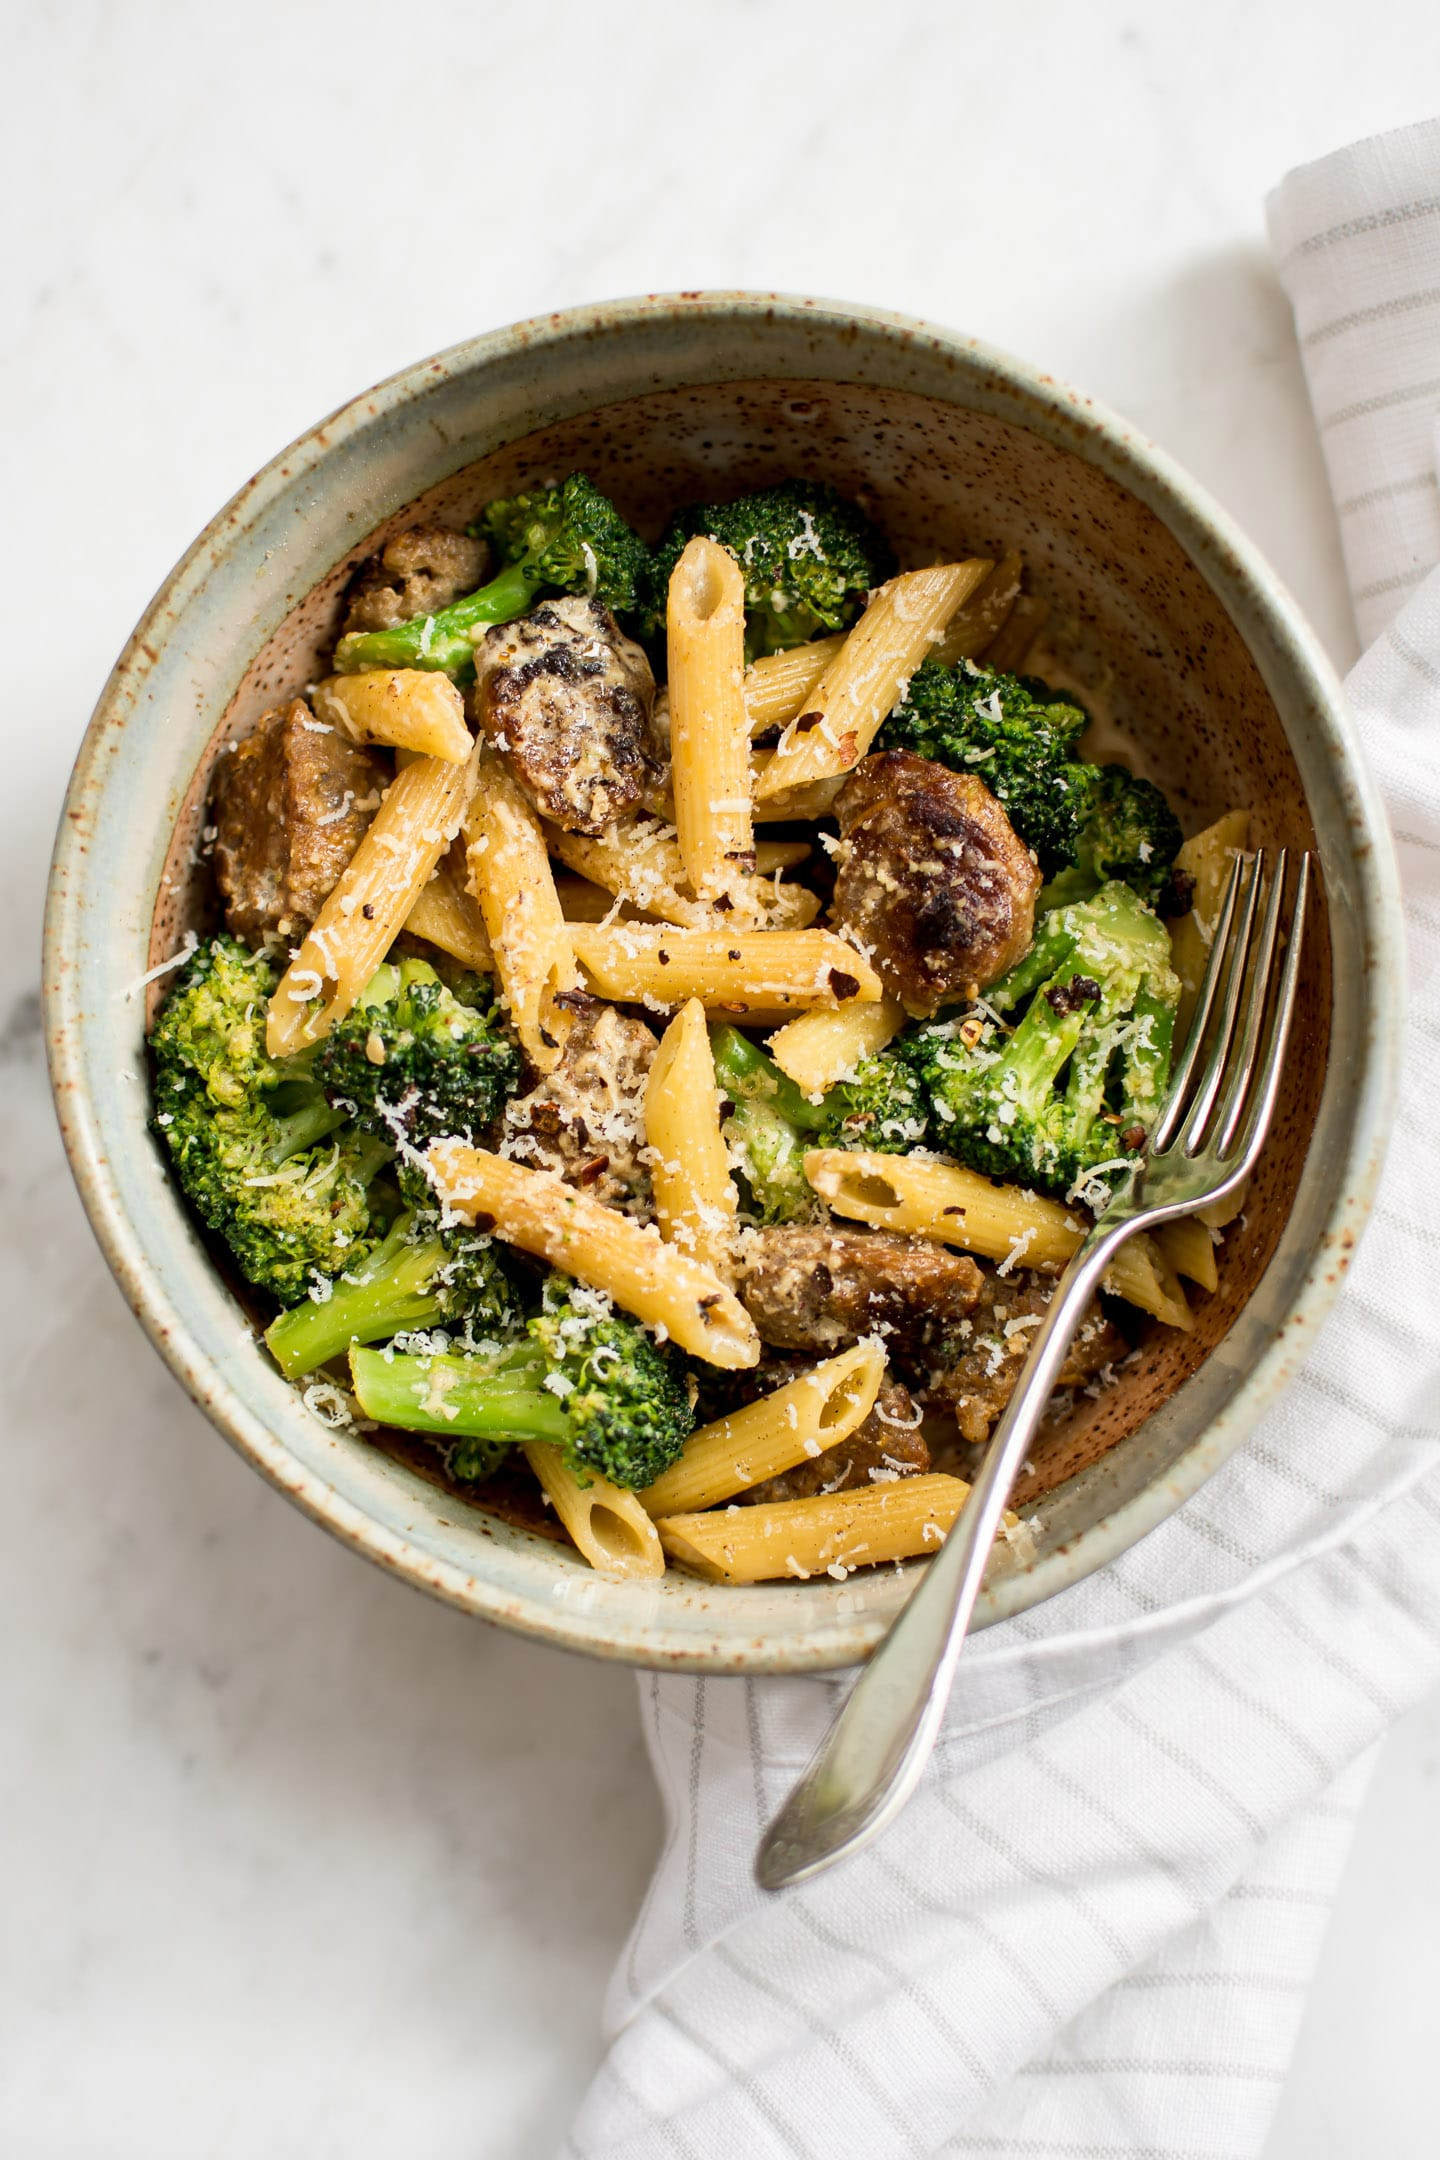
<point x="1092" y="1932"/>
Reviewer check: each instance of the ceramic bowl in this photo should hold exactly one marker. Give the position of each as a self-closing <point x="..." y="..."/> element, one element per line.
<point x="1160" y="608"/>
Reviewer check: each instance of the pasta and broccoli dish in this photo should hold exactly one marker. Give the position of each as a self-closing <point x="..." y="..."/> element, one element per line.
<point x="671" y="1012"/>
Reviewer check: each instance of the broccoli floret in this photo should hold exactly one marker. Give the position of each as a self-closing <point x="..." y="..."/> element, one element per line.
<point x="262" y="1155"/>
<point x="1086" y="823"/>
<point x="771" y="1122"/>
<point x="569" y="539"/>
<point x="424" y="1273"/>
<point x="1017" y="735"/>
<point x="1065" y="1100"/>
<point x="411" y="1062"/>
<point x="766" y="1128"/>
<point x="1124" y="829"/>
<point x="809" y="559"/>
<point x="587" y="1379"/>
<point x="882" y="1106"/>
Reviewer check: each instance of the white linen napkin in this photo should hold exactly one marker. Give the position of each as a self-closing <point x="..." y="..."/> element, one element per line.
<point x="1092" y="1932"/>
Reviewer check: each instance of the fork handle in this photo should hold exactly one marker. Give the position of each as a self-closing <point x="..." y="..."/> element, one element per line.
<point x="872" y="1758"/>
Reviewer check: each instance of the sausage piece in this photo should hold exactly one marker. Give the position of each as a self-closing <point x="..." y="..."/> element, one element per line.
<point x="984" y="1357"/>
<point x="586" y="1119"/>
<point x="889" y="1444"/>
<point x="291" y="807"/>
<point x="818" y="1289"/>
<point x="931" y="878"/>
<point x="567" y="699"/>
<point x="416" y="573"/>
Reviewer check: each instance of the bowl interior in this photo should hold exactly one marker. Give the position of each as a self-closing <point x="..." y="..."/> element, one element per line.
<point x="1138" y="626"/>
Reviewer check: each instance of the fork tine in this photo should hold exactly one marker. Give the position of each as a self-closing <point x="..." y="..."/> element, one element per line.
<point x="1183" y="1072"/>
<point x="1262" y="1109"/>
<point x="1241" y="1069"/>
<point x="1197" y="1118"/>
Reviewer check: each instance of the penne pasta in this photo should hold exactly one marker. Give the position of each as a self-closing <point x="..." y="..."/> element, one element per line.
<point x="815" y="801"/>
<point x="900" y="627"/>
<point x="975" y="626"/>
<point x="758" y="975"/>
<point x="827" y="1535"/>
<point x="1142" y="1275"/>
<point x="409" y="708"/>
<point x="1009" y="649"/>
<point x="580" y="901"/>
<point x="417" y="819"/>
<point x="823" y="1047"/>
<point x="943" y="1200"/>
<point x="511" y="879"/>
<point x="1208" y="858"/>
<point x="1001" y="1222"/>
<point x="1190" y="1250"/>
<point x="777" y="686"/>
<point x="709" y="730"/>
<point x="639" y="862"/>
<point x="540" y="1213"/>
<point x="695" y="1199"/>
<point x="793" y="1424"/>
<point x="1219" y="1214"/>
<point x="446" y="913"/>
<point x="606" y="1524"/>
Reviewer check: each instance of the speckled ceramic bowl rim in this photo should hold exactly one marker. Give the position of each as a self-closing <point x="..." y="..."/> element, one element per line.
<point x="1223" y="555"/>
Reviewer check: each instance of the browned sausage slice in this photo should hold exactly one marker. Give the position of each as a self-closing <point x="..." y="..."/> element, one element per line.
<point x="931" y="878"/>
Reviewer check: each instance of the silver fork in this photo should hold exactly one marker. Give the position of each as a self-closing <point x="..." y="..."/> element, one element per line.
<point x="1206" y="1139"/>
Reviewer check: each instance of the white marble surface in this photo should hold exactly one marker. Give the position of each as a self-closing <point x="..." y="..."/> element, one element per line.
<point x="293" y="1860"/>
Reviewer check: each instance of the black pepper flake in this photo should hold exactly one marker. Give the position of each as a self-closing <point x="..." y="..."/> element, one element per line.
<point x="1069" y="997"/>
<point x="807" y="721"/>
<point x="1179" y="895"/>
<point x="733" y="953"/>
<point x="843" y="985"/>
<point x="368" y="911"/>
<point x="707" y="1304"/>
<point x="663" y="957"/>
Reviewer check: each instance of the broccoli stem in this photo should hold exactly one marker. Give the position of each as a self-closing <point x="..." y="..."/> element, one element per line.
<point x="1035" y="1053"/>
<point x="746" y="1074"/>
<point x="391" y="1291"/>
<point x="768" y="1122"/>
<point x="458" y="1398"/>
<point x="1052" y="947"/>
<point x="303" y="1128"/>
<point x="448" y="648"/>
<point x="1146" y="1062"/>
